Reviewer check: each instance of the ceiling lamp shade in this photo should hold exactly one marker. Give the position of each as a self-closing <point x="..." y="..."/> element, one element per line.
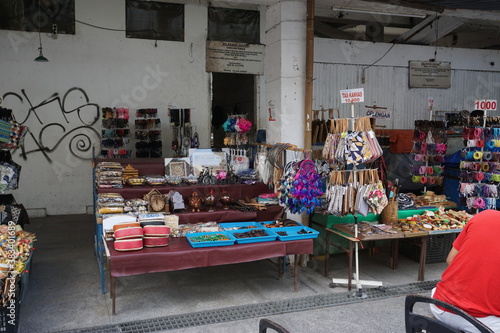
<point x="40" y="57"/>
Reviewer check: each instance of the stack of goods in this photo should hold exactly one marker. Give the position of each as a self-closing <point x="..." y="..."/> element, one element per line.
<point x="184" y="229"/>
<point x="435" y="221"/>
<point x="268" y="199"/>
<point x="172" y="221"/>
<point x="115" y="133"/>
<point x="151" y="219"/>
<point x="132" y="236"/>
<point x="129" y="172"/>
<point x="367" y="229"/>
<point x="148" y="133"/>
<point x="405" y="201"/>
<point x="430" y="198"/>
<point x="128" y="236"/>
<point x="109" y="175"/>
<point x="16" y="247"/>
<point x="479" y="169"/>
<point x="157" y="180"/>
<point x="136" y="206"/>
<point x="429" y="149"/>
<point x="156" y="235"/>
<point x="281" y="223"/>
<point x="110" y="203"/>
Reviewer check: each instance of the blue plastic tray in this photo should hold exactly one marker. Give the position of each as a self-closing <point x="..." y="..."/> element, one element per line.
<point x="239" y="225"/>
<point x="267" y="222"/>
<point x="211" y="243"/>
<point x="292" y="233"/>
<point x="272" y="236"/>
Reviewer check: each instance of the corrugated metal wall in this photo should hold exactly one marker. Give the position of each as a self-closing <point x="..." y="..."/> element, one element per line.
<point x="388" y="87"/>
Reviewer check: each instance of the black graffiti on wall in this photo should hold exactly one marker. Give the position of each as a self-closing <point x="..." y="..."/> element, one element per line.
<point x="80" y="137"/>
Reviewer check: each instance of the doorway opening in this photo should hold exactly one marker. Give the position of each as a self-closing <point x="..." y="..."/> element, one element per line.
<point x="232" y="94"/>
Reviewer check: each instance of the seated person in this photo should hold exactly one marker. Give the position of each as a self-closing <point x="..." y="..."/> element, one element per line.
<point x="471" y="282"/>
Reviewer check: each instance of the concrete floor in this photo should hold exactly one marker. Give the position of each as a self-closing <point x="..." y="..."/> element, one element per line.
<point x="64" y="290"/>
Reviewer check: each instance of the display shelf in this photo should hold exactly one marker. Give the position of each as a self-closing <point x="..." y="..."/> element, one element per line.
<point x="115" y="137"/>
<point x="155" y="166"/>
<point x="148" y="134"/>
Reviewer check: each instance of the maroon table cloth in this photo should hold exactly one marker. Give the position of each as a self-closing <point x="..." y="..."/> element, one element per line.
<point x="181" y="255"/>
<point x="235" y="191"/>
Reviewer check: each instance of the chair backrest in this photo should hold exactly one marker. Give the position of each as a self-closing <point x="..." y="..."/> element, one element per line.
<point x="416" y="323"/>
<point x="265" y="323"/>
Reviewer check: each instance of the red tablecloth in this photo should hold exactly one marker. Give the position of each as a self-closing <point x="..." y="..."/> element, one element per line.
<point x="220" y="216"/>
<point x="235" y="191"/>
<point x="181" y="255"/>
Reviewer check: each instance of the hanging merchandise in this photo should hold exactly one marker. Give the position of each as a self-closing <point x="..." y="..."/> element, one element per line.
<point x="183" y="136"/>
<point x="148" y="133"/>
<point x="262" y="165"/>
<point x="239" y="160"/>
<point x="236" y="128"/>
<point x="355" y="192"/>
<point x="9" y="172"/>
<point x="429" y="150"/>
<point x="480" y="165"/>
<point x="355" y="147"/>
<point x="300" y="187"/>
<point x="115" y="136"/>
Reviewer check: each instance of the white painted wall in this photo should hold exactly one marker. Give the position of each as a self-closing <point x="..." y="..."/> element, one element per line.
<point x="340" y="64"/>
<point x="113" y="71"/>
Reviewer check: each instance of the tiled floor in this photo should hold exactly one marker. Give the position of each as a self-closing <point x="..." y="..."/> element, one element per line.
<point x="64" y="291"/>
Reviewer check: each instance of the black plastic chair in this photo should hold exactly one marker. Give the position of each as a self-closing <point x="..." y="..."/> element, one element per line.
<point x="416" y="323"/>
<point x="265" y="323"/>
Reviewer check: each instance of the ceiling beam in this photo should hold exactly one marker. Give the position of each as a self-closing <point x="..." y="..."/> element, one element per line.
<point x="433" y="31"/>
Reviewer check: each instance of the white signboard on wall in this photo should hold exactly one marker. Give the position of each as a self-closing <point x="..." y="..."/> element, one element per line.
<point x="232" y="57"/>
<point x="352" y="95"/>
<point x="429" y="74"/>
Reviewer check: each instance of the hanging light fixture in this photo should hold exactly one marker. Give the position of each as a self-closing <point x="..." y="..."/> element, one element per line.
<point x="40" y="57"/>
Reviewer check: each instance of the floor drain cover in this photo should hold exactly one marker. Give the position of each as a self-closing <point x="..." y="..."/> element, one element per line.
<point x="259" y="310"/>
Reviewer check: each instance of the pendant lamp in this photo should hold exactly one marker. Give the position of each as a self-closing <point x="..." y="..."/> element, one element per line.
<point x="40" y="57"/>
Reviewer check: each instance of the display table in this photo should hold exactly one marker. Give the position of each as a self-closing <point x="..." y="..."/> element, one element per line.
<point x="220" y="215"/>
<point x="420" y="240"/>
<point x="180" y="255"/>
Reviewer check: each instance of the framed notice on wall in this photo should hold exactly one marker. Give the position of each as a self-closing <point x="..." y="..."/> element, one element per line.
<point x="429" y="74"/>
<point x="231" y="57"/>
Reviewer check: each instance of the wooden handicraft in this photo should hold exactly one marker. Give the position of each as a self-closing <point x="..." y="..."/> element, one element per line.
<point x="157" y="202"/>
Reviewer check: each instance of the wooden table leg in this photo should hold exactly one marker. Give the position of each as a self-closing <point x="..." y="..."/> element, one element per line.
<point x="349" y="278"/>
<point x="295" y="271"/>
<point x="394" y="253"/>
<point x="423" y="257"/>
<point x="281" y="260"/>
<point x="112" y="292"/>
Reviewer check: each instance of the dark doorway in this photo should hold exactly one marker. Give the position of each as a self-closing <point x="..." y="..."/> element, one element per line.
<point x="231" y="94"/>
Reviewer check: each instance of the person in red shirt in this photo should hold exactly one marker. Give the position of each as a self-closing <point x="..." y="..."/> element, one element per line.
<point x="472" y="279"/>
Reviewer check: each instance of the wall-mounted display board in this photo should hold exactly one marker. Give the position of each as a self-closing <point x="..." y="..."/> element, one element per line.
<point x="429" y="74"/>
<point x="231" y="57"/>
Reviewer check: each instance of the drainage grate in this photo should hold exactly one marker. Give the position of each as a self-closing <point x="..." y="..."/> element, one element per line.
<point x="258" y="310"/>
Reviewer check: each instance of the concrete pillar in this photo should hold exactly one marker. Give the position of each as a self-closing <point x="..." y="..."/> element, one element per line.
<point x="285" y="41"/>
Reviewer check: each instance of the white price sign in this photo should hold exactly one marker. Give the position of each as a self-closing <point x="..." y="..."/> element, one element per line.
<point x="352" y="95"/>
<point x="486" y="104"/>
